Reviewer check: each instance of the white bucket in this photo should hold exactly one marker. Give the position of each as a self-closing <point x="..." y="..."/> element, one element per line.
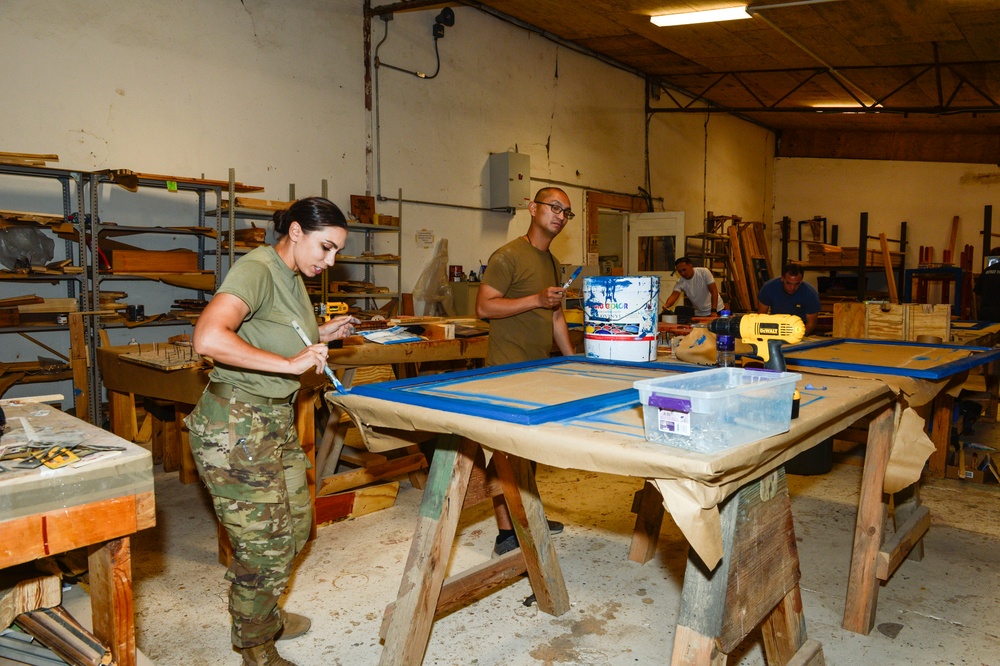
<point x="620" y="317"/>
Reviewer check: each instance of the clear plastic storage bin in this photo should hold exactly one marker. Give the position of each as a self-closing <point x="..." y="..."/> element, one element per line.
<point x="713" y="410"/>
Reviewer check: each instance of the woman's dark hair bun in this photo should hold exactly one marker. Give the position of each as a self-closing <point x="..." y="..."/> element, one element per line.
<point x="312" y="214"/>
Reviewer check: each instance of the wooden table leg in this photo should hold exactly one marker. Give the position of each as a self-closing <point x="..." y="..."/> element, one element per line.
<point x="943" y="407"/>
<point x="188" y="470"/>
<point x="521" y="494"/>
<point x="410" y="628"/>
<point x="869" y="530"/>
<point x="110" y="567"/>
<point x="756" y="582"/>
<point x="648" y="507"/>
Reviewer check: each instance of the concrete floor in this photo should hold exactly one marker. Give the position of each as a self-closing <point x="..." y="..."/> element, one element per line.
<point x="942" y="610"/>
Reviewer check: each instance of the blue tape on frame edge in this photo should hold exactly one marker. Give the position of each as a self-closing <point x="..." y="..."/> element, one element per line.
<point x="405" y="391"/>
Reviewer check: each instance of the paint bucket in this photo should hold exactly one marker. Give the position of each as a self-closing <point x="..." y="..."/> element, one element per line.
<point x="620" y="317"/>
<point x="454" y="273"/>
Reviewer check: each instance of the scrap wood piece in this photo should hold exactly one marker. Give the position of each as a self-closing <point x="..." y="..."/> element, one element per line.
<point x="747" y="300"/>
<point x="60" y="632"/>
<point x="366" y="475"/>
<point x="949" y="254"/>
<point x="28" y="159"/>
<point x="24" y="589"/>
<point x="130" y="180"/>
<point x="332" y="508"/>
<point x="251" y="203"/>
<point x="890" y="276"/>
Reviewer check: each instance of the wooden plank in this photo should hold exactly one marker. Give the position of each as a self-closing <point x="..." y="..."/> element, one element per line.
<point x="784" y="630"/>
<point x="943" y="407"/>
<point x="188" y="470"/>
<point x="365" y="475"/>
<point x="895" y="550"/>
<point x="949" y="253"/>
<point x="747" y="301"/>
<point x="890" y="276"/>
<point x="80" y="356"/>
<point x="164" y="356"/>
<point x="24" y="589"/>
<point x="111" y="598"/>
<point x="154" y="261"/>
<point x="331" y="508"/>
<point x="810" y="654"/>
<point x="849" y="320"/>
<point x="39" y="535"/>
<point x="124" y="422"/>
<point x="460" y="589"/>
<point x="869" y="530"/>
<point x="407" y="635"/>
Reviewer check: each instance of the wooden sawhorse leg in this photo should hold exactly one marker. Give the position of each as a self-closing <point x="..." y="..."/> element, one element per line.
<point x="424" y="592"/>
<point x="875" y="557"/>
<point x="755" y="583"/>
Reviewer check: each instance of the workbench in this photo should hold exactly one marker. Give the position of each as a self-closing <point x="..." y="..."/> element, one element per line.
<point x="732" y="506"/>
<point x="46" y="512"/>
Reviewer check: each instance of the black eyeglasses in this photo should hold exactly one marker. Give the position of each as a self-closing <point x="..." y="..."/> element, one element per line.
<point x="558" y="209"/>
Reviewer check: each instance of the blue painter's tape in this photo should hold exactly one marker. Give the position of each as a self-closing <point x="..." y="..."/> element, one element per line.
<point x="423" y="391"/>
<point x="977" y="356"/>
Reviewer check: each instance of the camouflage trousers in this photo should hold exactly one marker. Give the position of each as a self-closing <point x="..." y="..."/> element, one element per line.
<point x="249" y="457"/>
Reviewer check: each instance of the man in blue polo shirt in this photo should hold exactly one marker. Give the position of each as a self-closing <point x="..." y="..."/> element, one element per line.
<point x="788" y="294"/>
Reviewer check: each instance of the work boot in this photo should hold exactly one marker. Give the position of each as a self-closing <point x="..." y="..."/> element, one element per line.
<point x="263" y="655"/>
<point x="293" y="625"/>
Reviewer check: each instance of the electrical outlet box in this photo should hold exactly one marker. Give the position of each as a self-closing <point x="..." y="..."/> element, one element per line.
<point x="510" y="180"/>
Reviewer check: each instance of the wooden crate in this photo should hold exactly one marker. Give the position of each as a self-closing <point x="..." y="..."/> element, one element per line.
<point x="883" y="321"/>
<point x="153" y="261"/>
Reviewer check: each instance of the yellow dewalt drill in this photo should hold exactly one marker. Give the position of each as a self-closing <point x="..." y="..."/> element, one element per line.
<point x="766" y="333"/>
<point x="325" y="311"/>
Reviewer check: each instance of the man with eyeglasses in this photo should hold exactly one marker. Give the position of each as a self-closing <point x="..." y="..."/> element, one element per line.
<point x="522" y="297"/>
<point x="788" y="294"/>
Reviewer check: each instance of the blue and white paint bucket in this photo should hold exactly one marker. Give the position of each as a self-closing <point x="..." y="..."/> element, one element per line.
<point x="620" y="316"/>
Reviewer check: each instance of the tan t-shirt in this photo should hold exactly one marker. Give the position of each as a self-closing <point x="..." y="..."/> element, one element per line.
<point x="276" y="295"/>
<point x="515" y="270"/>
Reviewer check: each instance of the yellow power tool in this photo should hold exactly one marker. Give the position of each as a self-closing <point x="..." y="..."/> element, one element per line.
<point x="766" y="333"/>
<point x="324" y="311"/>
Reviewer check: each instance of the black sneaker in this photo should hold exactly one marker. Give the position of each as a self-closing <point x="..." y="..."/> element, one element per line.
<point x="505" y="545"/>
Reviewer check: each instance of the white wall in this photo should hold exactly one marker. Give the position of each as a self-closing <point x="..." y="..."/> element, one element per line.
<point x="925" y="195"/>
<point x="275" y="90"/>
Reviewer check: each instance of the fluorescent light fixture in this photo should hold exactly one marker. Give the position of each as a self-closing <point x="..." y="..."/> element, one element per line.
<point x="707" y="16"/>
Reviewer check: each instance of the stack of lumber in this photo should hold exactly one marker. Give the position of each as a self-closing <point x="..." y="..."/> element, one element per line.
<point x="749" y="263"/>
<point x="245" y="238"/>
<point x="873" y="257"/>
<point x="822" y="254"/>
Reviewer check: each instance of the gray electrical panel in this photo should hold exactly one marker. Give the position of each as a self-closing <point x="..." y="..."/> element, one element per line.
<point x="510" y="180"/>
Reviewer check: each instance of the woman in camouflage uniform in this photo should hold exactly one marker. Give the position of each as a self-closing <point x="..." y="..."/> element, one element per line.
<point x="242" y="431"/>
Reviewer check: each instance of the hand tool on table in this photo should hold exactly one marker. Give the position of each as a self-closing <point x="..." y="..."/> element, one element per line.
<point x="766" y="333"/>
<point x="329" y="373"/>
<point x="572" y="277"/>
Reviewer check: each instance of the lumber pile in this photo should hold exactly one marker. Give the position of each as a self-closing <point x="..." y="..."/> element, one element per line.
<point x="749" y="263"/>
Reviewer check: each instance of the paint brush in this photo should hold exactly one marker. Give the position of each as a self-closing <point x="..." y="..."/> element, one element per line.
<point x="329" y="373"/>
<point x="572" y="277"/>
